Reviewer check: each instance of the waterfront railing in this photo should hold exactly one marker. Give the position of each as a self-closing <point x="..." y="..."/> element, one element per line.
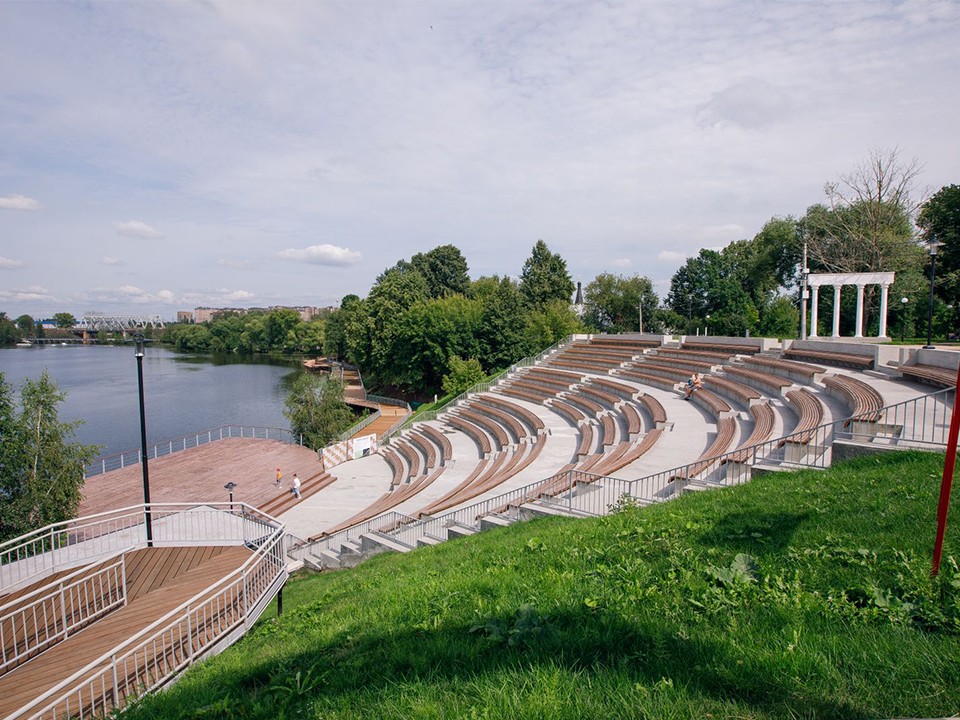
<point x="121" y="460"/>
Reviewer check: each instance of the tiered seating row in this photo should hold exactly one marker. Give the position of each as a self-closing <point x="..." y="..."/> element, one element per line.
<point x="857" y="362"/>
<point x="809" y="411"/>
<point x="941" y="377"/>
<point x="864" y="402"/>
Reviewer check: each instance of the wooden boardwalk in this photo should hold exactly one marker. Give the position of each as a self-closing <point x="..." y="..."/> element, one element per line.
<point x="199" y="474"/>
<point x="158" y="580"/>
<point x="389" y="416"/>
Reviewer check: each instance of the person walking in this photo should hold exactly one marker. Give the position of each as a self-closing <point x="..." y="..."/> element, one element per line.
<point x="296" y="486"/>
<point x="277" y="484"/>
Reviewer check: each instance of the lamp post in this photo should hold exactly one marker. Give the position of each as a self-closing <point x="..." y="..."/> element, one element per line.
<point x="933" y="245"/>
<point x="229" y="488"/>
<point x="903" y="318"/>
<point x="138" y="339"/>
<point x="706" y="329"/>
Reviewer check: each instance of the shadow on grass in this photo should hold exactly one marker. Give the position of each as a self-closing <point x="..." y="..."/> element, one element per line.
<point x="754" y="532"/>
<point x="357" y="674"/>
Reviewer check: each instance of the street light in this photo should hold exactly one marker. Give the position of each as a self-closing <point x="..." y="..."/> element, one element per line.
<point x="138" y="340"/>
<point x="933" y="245"/>
<point x="903" y="319"/>
<point x="229" y="488"/>
<point x="706" y="329"/>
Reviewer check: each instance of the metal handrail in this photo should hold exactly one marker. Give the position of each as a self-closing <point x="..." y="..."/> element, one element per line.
<point x="116" y="461"/>
<point x="174" y="634"/>
<point x="352" y="533"/>
<point x="353" y="430"/>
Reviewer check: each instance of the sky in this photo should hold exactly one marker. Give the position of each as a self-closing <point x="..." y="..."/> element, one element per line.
<point x="159" y="156"/>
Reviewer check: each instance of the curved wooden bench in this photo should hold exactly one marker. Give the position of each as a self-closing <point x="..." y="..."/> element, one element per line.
<point x="586" y="439"/>
<point x="530" y="380"/>
<point x="730" y="388"/>
<point x="610" y="430"/>
<point x="714" y="358"/>
<point x="809" y="412"/>
<point x="602" y="396"/>
<point x="621" y="342"/>
<point x="765" y="381"/>
<point x="590" y="407"/>
<point x="493" y="428"/>
<point x="557" y="376"/>
<point x="632" y="417"/>
<point x="505" y="419"/>
<point x="574" y="415"/>
<point x="726" y="432"/>
<point x="441" y="440"/>
<point x="687" y="364"/>
<point x="426" y="447"/>
<point x="653" y="406"/>
<point x="930" y="374"/>
<point x="721" y="347"/>
<point x="857" y="362"/>
<point x="530" y="419"/>
<point x="623" y="390"/>
<point x="660" y="370"/>
<point x="536" y="397"/>
<point x="864" y="402"/>
<point x="791" y="367"/>
<point x="412" y="457"/>
<point x="650" y="379"/>
<point x="763" y="422"/>
<point x="396" y="464"/>
<point x="711" y="402"/>
<point x="472" y="431"/>
<point x="586" y="366"/>
<point x="588" y="352"/>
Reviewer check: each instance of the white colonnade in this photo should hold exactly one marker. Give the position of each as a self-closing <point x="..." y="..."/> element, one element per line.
<point x="838" y="280"/>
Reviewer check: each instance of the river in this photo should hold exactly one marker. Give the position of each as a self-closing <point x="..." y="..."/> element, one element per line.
<point x="183" y="393"/>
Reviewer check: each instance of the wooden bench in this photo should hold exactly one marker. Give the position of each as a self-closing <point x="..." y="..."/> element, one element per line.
<point x="610" y="433"/>
<point x="726" y="432"/>
<point x="531" y="419"/>
<point x="531" y="380"/>
<point x="760" y="380"/>
<point x="809" y="412"/>
<point x="763" y="421"/>
<point x="684" y="368"/>
<point x="630" y="413"/>
<point x="520" y="393"/>
<point x="586" y="439"/>
<point x="624" y="391"/>
<point x="505" y="419"/>
<point x="643" y="378"/>
<point x="864" y="402"/>
<point x="441" y="440"/>
<point x="574" y="415"/>
<point x="411" y="455"/>
<point x="589" y="351"/>
<point x="426" y="447"/>
<point x="711" y="402"/>
<point x="732" y="348"/>
<point x="622" y="342"/>
<point x="557" y="376"/>
<point x="494" y="428"/>
<point x="601" y="396"/>
<point x="661" y="370"/>
<point x="930" y="374"/>
<point x="730" y="388"/>
<point x="589" y="407"/>
<point x="635" y="452"/>
<point x="790" y="368"/>
<point x="653" y="406"/>
<point x="714" y="358"/>
<point x="471" y="430"/>
<point x="586" y="366"/>
<point x="857" y="362"/>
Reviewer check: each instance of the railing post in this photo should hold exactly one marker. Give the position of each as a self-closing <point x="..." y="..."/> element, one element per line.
<point x="116" y="684"/>
<point x="53" y="554"/>
<point x="63" y="613"/>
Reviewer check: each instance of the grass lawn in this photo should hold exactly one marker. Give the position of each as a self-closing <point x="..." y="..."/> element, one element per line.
<point x="801" y="595"/>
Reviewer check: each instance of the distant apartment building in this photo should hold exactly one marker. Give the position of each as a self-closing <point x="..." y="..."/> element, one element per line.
<point x="206" y="314"/>
<point x="184" y="316"/>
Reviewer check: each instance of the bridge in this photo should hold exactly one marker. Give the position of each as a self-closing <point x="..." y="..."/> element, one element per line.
<point x="93" y="322"/>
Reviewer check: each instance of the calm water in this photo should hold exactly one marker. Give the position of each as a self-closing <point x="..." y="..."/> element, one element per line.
<point x="183" y="393"/>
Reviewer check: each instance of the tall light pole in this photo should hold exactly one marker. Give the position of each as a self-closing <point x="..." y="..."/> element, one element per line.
<point x="933" y="245"/>
<point x="903" y="317"/>
<point x="138" y="339"/>
<point x="640" y="308"/>
<point x="804" y="293"/>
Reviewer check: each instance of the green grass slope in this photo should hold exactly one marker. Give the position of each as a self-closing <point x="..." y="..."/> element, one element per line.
<point x="800" y="595"/>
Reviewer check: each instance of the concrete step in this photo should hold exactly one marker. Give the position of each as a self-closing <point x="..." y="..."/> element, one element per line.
<point x="455" y="531"/>
<point x="428" y="540"/>
<point x="537" y="509"/>
<point x="351" y="546"/>
<point x="378" y="542"/>
<point x="488" y="522"/>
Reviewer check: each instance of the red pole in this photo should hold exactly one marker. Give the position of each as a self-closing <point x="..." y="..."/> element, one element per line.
<point x="947" y="481"/>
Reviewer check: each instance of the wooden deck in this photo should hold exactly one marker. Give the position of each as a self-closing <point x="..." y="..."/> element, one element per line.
<point x="389" y="416"/>
<point x="158" y="580"/>
<point x="199" y="474"/>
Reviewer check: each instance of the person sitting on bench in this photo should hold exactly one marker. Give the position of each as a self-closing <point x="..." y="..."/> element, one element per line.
<point x="693" y="384"/>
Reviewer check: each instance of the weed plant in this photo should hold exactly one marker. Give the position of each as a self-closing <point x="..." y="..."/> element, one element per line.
<point x="803" y="595"/>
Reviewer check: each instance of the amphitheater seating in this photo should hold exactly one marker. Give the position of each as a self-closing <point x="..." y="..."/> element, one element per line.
<point x="426" y="447"/>
<point x="864" y="402"/>
<point x="809" y="411"/>
<point x="763" y="422"/>
<point x="586" y="439"/>
<point x="441" y="441"/>
<point x="505" y="419"/>
<point x="634" y="343"/>
<point x="610" y="434"/>
<point x="590" y="407"/>
<point x="522" y="393"/>
<point x="930" y="374"/>
<point x="739" y="392"/>
<point x="712" y="357"/>
<point x="789" y="368"/>
<point x="494" y="429"/>
<point x="571" y="413"/>
<point x="602" y="396"/>
<point x="632" y="416"/>
<point x="650" y="379"/>
<point x="763" y="381"/>
<point x="662" y="371"/>
<point x="586" y="366"/>
<point x="532" y="421"/>
<point x="559" y="377"/>
<point x="471" y="430"/>
<point x="857" y="362"/>
<point x="712" y="402"/>
<point x="732" y="348"/>
<point x="653" y="406"/>
<point x="624" y="391"/>
<point x="411" y="457"/>
<point x="726" y="432"/>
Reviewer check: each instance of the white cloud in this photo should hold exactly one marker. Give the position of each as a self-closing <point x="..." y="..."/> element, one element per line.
<point x="110" y="260"/>
<point x="33" y="293"/>
<point x="672" y="256"/>
<point x="622" y="262"/>
<point x="322" y="255"/>
<point x="18" y="202"/>
<point x="236" y="295"/>
<point x="750" y="104"/>
<point x="8" y="264"/>
<point x="137" y="229"/>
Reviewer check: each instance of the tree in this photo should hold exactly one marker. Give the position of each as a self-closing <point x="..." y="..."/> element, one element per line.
<point x="25" y="325"/>
<point x="613" y="303"/>
<point x="8" y="330"/>
<point x="445" y="270"/>
<point x="462" y="375"/>
<point x="550" y="324"/>
<point x="316" y="410"/>
<point x="712" y="284"/>
<point x="545" y="277"/>
<point x="64" y="320"/>
<point x="41" y="468"/>
<point x="502" y="334"/>
<point x="940" y="219"/>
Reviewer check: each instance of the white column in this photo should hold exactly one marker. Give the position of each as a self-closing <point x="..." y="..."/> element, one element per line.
<point x="859" y="328"/>
<point x="883" y="310"/>
<point x="836" y="310"/>
<point x="815" y="289"/>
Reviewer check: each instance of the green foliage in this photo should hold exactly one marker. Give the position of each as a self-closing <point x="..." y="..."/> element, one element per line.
<point x="26" y="325"/>
<point x="316" y="410"/>
<point x="940" y="219"/>
<point x="613" y="304"/>
<point x="277" y="331"/>
<point x="41" y="468"/>
<point x="445" y="270"/>
<point x="795" y="595"/>
<point x="502" y="335"/>
<point x="545" y="277"/>
<point x="463" y="375"/>
<point x="64" y="320"/>
<point x="553" y="322"/>
<point x="9" y="334"/>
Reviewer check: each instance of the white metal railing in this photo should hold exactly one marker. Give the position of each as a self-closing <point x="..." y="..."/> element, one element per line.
<point x="185" y="442"/>
<point x="333" y="541"/>
<point x="354" y="429"/>
<point x="37" y="620"/>
<point x="215" y="616"/>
